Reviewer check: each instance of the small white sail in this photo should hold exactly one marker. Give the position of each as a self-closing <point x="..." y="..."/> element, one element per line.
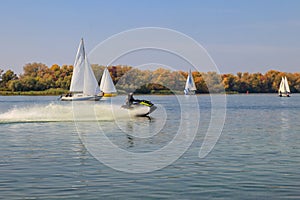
<point x="287" y="87"/>
<point x="78" y="70"/>
<point x="281" y="87"/>
<point x="91" y="86"/>
<point x="107" y="85"/>
<point x="190" y="86"/>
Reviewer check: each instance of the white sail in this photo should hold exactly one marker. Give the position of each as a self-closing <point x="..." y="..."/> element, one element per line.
<point x="77" y="80"/>
<point x="287" y="87"/>
<point x="190" y="84"/>
<point x="281" y="87"/>
<point x="90" y="86"/>
<point x="107" y="86"/>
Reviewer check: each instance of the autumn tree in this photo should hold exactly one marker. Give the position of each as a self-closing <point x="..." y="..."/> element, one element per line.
<point x="37" y="76"/>
<point x="6" y="77"/>
<point x="34" y="69"/>
<point x="1" y="71"/>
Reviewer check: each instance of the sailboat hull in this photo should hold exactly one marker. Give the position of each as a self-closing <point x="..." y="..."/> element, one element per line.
<point x="284" y="95"/>
<point x="80" y="97"/>
<point x="109" y="95"/>
<point x="189" y="92"/>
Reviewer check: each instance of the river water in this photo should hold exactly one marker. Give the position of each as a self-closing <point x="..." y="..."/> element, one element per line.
<point x="60" y="150"/>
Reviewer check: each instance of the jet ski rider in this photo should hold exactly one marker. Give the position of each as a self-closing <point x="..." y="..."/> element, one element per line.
<point x="130" y="100"/>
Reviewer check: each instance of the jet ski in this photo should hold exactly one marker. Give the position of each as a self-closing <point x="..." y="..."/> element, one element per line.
<point x="140" y="108"/>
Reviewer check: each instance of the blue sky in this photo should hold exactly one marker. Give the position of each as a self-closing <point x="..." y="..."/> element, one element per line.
<point x="239" y="35"/>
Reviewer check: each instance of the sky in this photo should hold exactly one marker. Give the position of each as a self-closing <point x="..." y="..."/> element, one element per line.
<point x="239" y="35"/>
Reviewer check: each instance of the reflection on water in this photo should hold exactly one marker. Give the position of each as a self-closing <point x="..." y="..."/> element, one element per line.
<point x="284" y="113"/>
<point x="130" y="141"/>
<point x="130" y="131"/>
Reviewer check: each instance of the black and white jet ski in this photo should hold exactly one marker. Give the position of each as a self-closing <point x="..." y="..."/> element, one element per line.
<point x="139" y="108"/>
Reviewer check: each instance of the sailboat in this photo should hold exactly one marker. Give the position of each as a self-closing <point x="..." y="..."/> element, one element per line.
<point x="107" y="85"/>
<point x="284" y="89"/>
<point x="84" y="85"/>
<point x="190" y="86"/>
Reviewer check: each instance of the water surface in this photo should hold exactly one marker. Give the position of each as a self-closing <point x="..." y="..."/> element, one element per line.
<point x="256" y="157"/>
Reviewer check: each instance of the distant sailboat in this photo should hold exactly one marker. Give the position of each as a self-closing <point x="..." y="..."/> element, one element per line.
<point x="284" y="89"/>
<point x="84" y="85"/>
<point x="107" y="85"/>
<point x="190" y="86"/>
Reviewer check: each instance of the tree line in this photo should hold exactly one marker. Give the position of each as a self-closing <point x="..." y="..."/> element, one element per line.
<point x="39" y="77"/>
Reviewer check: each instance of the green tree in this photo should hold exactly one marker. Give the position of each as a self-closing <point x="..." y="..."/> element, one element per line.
<point x="213" y="82"/>
<point x="15" y="85"/>
<point x="6" y="77"/>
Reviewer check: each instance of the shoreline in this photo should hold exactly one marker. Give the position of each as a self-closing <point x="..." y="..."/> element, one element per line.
<point x="61" y="92"/>
<point x="51" y="92"/>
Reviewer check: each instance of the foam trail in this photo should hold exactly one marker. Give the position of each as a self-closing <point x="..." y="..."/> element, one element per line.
<point x="64" y="112"/>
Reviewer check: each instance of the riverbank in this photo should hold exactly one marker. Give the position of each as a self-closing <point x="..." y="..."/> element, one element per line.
<point x="54" y="92"/>
<point x="48" y="92"/>
<point x="51" y="92"/>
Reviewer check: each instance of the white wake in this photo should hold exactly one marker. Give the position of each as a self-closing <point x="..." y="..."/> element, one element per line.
<point x="55" y="112"/>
